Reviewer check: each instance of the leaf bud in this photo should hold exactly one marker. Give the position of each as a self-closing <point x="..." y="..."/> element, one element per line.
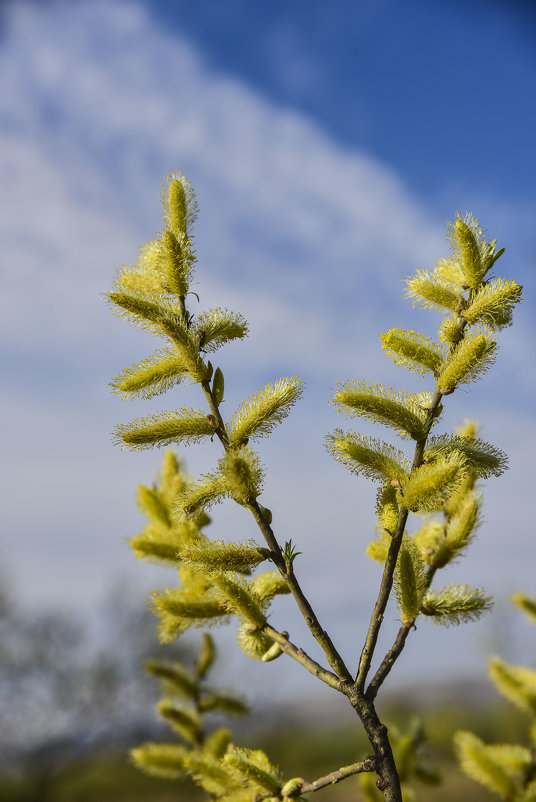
<point x="293" y="787"/>
<point x="273" y="653"/>
<point x="218" y="386"/>
<point x="266" y="514"/>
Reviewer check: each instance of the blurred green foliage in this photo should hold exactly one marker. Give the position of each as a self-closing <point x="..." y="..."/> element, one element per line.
<point x="307" y="751"/>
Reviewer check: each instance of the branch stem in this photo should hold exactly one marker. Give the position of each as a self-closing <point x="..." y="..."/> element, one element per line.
<point x="384" y="765"/>
<point x="320" y="635"/>
<point x="285" y="568"/>
<point x="390" y="564"/>
<point x="389" y="660"/>
<point x="336" y="776"/>
<point x="221" y="431"/>
<point x="303" y="658"/>
<point x="394" y="652"/>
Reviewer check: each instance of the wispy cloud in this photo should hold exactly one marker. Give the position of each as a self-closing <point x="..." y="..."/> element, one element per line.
<point x="306" y="238"/>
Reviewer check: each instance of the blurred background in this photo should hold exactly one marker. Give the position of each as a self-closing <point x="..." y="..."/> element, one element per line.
<point x="328" y="145"/>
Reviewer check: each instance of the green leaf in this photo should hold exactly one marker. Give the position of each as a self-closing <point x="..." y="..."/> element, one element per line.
<point x="274" y="652"/>
<point x="218" y="387"/>
<point x="289" y="552"/>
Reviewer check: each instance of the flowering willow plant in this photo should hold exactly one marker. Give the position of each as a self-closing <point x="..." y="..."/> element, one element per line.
<point x="434" y="478"/>
<point x="508" y="770"/>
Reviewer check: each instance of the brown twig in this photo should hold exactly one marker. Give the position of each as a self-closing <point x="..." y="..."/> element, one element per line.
<point x="389" y="660"/>
<point x="336" y="776"/>
<point x="390" y="564"/>
<point x="333" y="657"/>
<point x="320" y="635"/>
<point x="303" y="658"/>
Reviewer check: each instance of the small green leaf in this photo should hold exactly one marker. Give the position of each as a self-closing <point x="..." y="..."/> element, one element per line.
<point x="218" y="386"/>
<point x="289" y="552"/>
<point x="273" y="653"/>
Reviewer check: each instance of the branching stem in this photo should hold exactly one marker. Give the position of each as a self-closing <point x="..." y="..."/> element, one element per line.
<point x="221" y="431"/>
<point x="390" y="564"/>
<point x="321" y="636"/>
<point x="394" y="652"/>
<point x="332" y="778"/>
<point x="336" y="776"/>
<point x="303" y="658"/>
<point x="389" y="660"/>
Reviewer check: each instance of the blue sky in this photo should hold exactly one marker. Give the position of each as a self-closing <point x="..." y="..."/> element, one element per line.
<point x="327" y="150"/>
<point x="434" y="90"/>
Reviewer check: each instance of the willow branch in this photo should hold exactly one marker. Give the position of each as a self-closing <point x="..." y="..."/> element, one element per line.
<point x="336" y="776"/>
<point x="394" y="652"/>
<point x="303" y="658"/>
<point x="389" y="660"/>
<point x="221" y="431"/>
<point x="390" y="564"/>
<point x="320" y="635"/>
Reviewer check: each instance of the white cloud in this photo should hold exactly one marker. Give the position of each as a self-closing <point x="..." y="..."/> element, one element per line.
<point x="304" y="237"/>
